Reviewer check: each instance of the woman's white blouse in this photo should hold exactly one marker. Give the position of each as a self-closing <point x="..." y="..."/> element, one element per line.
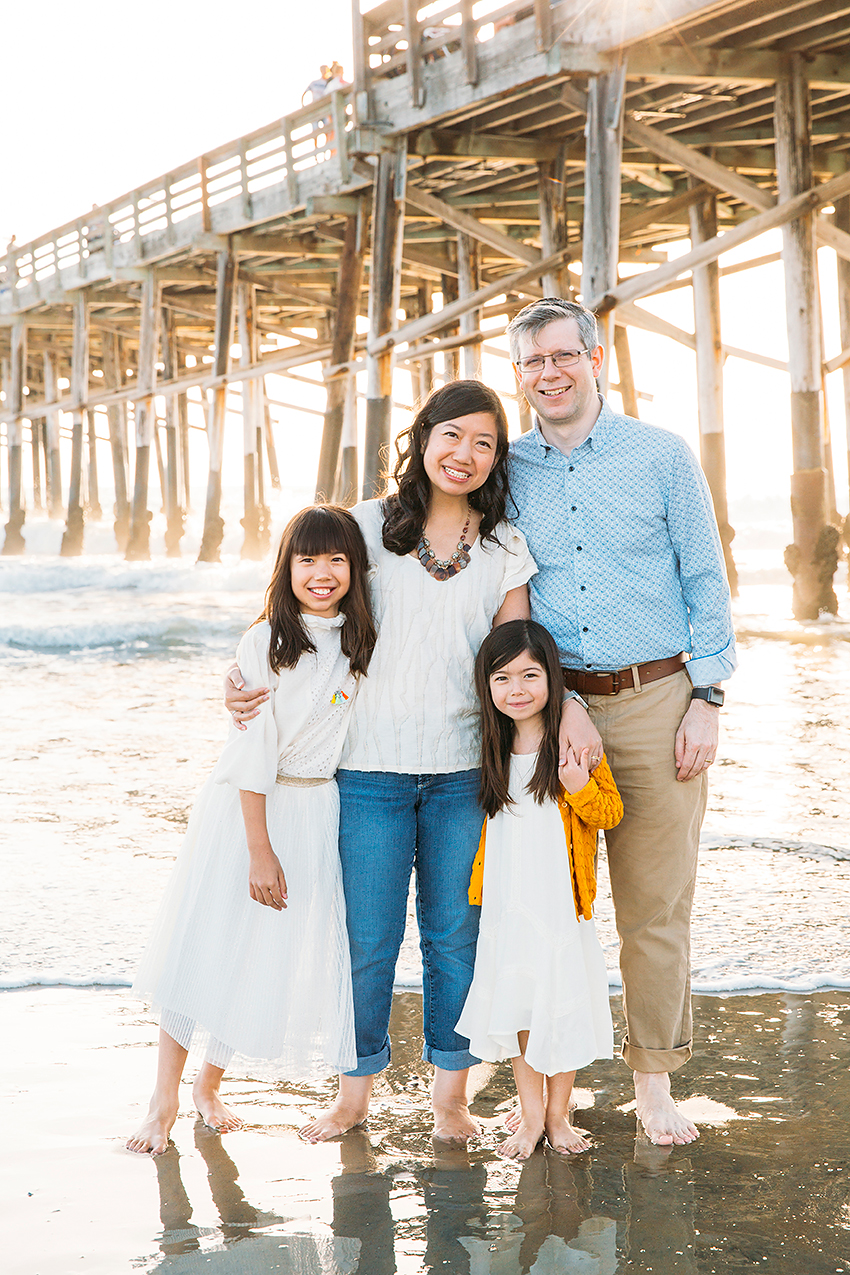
<point x="416" y="712"/>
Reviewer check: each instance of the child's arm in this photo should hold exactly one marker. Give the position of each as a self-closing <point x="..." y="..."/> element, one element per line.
<point x="266" y="880"/>
<point x="597" y="803"/>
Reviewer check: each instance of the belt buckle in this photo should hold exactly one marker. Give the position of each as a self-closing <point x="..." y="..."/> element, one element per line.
<point x="615" y="682"/>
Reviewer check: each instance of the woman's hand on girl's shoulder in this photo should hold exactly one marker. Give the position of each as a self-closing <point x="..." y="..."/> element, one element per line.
<point x="575" y="771"/>
<point x="242" y="705"/>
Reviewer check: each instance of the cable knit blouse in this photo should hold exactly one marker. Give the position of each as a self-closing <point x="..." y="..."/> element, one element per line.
<point x="415" y="712"/>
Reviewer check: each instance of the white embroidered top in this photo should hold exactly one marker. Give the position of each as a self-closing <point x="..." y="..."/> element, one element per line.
<point x="300" y="728"/>
<point x="415" y="711"/>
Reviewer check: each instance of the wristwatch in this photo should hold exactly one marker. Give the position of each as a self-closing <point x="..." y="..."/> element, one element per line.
<point x="711" y="695"/>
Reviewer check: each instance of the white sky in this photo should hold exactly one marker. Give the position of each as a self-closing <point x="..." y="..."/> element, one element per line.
<point x="103" y="102"/>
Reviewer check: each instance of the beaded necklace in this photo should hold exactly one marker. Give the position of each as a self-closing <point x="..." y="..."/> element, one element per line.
<point x="458" y="560"/>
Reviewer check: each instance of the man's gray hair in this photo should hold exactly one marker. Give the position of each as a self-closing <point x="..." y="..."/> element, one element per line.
<point x="533" y="318"/>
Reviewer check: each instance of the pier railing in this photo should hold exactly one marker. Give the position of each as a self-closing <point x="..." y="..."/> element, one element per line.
<point x="234" y="186"/>
<point x="399" y="37"/>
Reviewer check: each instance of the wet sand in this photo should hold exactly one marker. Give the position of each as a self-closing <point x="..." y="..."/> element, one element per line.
<point x="766" y="1188"/>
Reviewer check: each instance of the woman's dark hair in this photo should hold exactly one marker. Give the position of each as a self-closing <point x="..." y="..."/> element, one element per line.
<point x="500" y="647"/>
<point x="319" y="529"/>
<point x="406" y="512"/>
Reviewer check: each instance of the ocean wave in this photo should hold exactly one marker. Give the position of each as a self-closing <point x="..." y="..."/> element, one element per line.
<point x="109" y="572"/>
<point x="805" y="849"/>
<point x="17" y="982"/>
<point x="131" y="634"/>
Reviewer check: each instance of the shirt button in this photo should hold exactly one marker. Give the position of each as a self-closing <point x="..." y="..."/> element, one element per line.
<point x="582" y="587"/>
<point x="573" y="508"/>
<point x="578" y="547"/>
<point x="572" y="467"/>
<point x="585" y="629"/>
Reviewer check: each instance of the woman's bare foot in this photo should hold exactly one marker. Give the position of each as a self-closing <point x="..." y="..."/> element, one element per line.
<point x="348" y="1111"/>
<point x="565" y="1139"/>
<point x="663" y="1122"/>
<point x="520" y="1144"/>
<point x="453" y="1123"/>
<point x="152" y="1136"/>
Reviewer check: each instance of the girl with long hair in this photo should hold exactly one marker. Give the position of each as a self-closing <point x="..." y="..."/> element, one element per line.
<point x="539" y="995"/>
<point x="249" y="953"/>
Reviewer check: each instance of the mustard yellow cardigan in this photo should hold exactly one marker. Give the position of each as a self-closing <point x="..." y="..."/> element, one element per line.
<point x="596" y="805"/>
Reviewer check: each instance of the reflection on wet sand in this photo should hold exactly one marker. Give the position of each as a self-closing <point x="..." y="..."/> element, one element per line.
<point x="766" y="1187"/>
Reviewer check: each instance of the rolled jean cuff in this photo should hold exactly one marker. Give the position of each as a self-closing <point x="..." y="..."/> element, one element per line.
<point x="449" y="1059"/>
<point x="371" y="1065"/>
<point x="655" y="1060"/>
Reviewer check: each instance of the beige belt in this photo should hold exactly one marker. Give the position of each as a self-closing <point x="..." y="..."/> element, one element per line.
<point x="292" y="781"/>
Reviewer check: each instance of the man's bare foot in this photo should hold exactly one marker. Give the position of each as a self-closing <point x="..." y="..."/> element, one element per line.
<point x="520" y="1144"/>
<point x="663" y="1123"/>
<point x="339" y="1118"/>
<point x="212" y="1110"/>
<point x="564" y="1138"/>
<point x="152" y="1136"/>
<point x="453" y="1123"/>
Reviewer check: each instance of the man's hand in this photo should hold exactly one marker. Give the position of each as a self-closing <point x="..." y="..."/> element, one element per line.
<point x="696" y="740"/>
<point x="578" y="733"/>
<point x="242" y="705"/>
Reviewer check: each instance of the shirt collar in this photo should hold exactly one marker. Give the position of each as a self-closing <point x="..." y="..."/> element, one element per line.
<point x="596" y="439"/>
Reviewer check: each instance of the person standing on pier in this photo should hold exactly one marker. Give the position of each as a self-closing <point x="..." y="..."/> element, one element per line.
<point x="619" y="519"/>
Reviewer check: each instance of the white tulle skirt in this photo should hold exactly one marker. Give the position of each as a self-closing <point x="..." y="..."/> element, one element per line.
<point x="537" y="967"/>
<point x="231" y="977"/>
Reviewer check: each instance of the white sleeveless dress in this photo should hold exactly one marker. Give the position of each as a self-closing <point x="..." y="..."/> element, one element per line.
<point x="228" y="975"/>
<point x="537" y="967"/>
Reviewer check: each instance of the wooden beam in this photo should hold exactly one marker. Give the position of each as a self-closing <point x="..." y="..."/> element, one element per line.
<point x="687" y="64"/>
<point x="116" y="415"/>
<point x="347" y="309"/>
<point x="13" y="542"/>
<point x="445" y="143"/>
<point x="138" y="541"/>
<point x="252" y="391"/>
<point x="601" y="232"/>
<point x="210" y="550"/>
<point x="468" y="271"/>
<point x="417" y="328"/>
<point x="709" y="358"/>
<point x="714" y="174"/>
<point x="467" y="225"/>
<point x="808" y="491"/>
<point x="51" y="425"/>
<point x="384" y="282"/>
<point x="72" y="537"/>
<point x="651" y="281"/>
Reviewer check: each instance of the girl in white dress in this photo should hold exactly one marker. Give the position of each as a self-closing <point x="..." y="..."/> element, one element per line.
<point x="539" y="993"/>
<point x="249" y="953"/>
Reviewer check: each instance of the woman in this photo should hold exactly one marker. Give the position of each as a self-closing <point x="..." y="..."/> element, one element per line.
<point x="447" y="567"/>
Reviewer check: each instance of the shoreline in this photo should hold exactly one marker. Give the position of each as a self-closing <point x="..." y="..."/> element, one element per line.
<point x="386" y="1199"/>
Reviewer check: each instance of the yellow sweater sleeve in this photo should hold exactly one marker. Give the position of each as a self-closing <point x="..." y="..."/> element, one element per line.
<point x="476" y="880"/>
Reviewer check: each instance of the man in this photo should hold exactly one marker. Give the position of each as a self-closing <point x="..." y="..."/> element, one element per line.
<point x="619" y="519"/>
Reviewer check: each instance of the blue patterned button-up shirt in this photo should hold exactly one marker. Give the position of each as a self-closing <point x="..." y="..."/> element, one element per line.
<point x="624" y="536"/>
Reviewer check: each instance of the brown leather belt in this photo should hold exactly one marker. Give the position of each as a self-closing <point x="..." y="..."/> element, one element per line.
<point x="587" y="683"/>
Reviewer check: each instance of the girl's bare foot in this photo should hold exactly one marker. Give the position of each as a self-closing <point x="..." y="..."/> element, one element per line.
<point x="565" y="1139"/>
<point x="520" y="1144"/>
<point x="350" y="1110"/>
<point x="152" y="1136"/>
<point x="212" y="1110"/>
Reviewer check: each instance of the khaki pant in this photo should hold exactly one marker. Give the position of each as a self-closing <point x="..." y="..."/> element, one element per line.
<point x="652" y="859"/>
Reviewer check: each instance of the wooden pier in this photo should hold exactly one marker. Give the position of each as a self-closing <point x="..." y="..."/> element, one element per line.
<point x="475" y="158"/>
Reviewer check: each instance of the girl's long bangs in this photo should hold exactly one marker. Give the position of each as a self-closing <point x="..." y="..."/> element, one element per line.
<point x="323" y="530"/>
<point x="513" y="639"/>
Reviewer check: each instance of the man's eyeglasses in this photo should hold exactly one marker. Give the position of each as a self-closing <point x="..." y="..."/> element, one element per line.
<point x="537" y="362"/>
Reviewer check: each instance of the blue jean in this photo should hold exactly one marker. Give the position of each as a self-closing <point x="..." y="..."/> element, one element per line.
<point x="388" y="823"/>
